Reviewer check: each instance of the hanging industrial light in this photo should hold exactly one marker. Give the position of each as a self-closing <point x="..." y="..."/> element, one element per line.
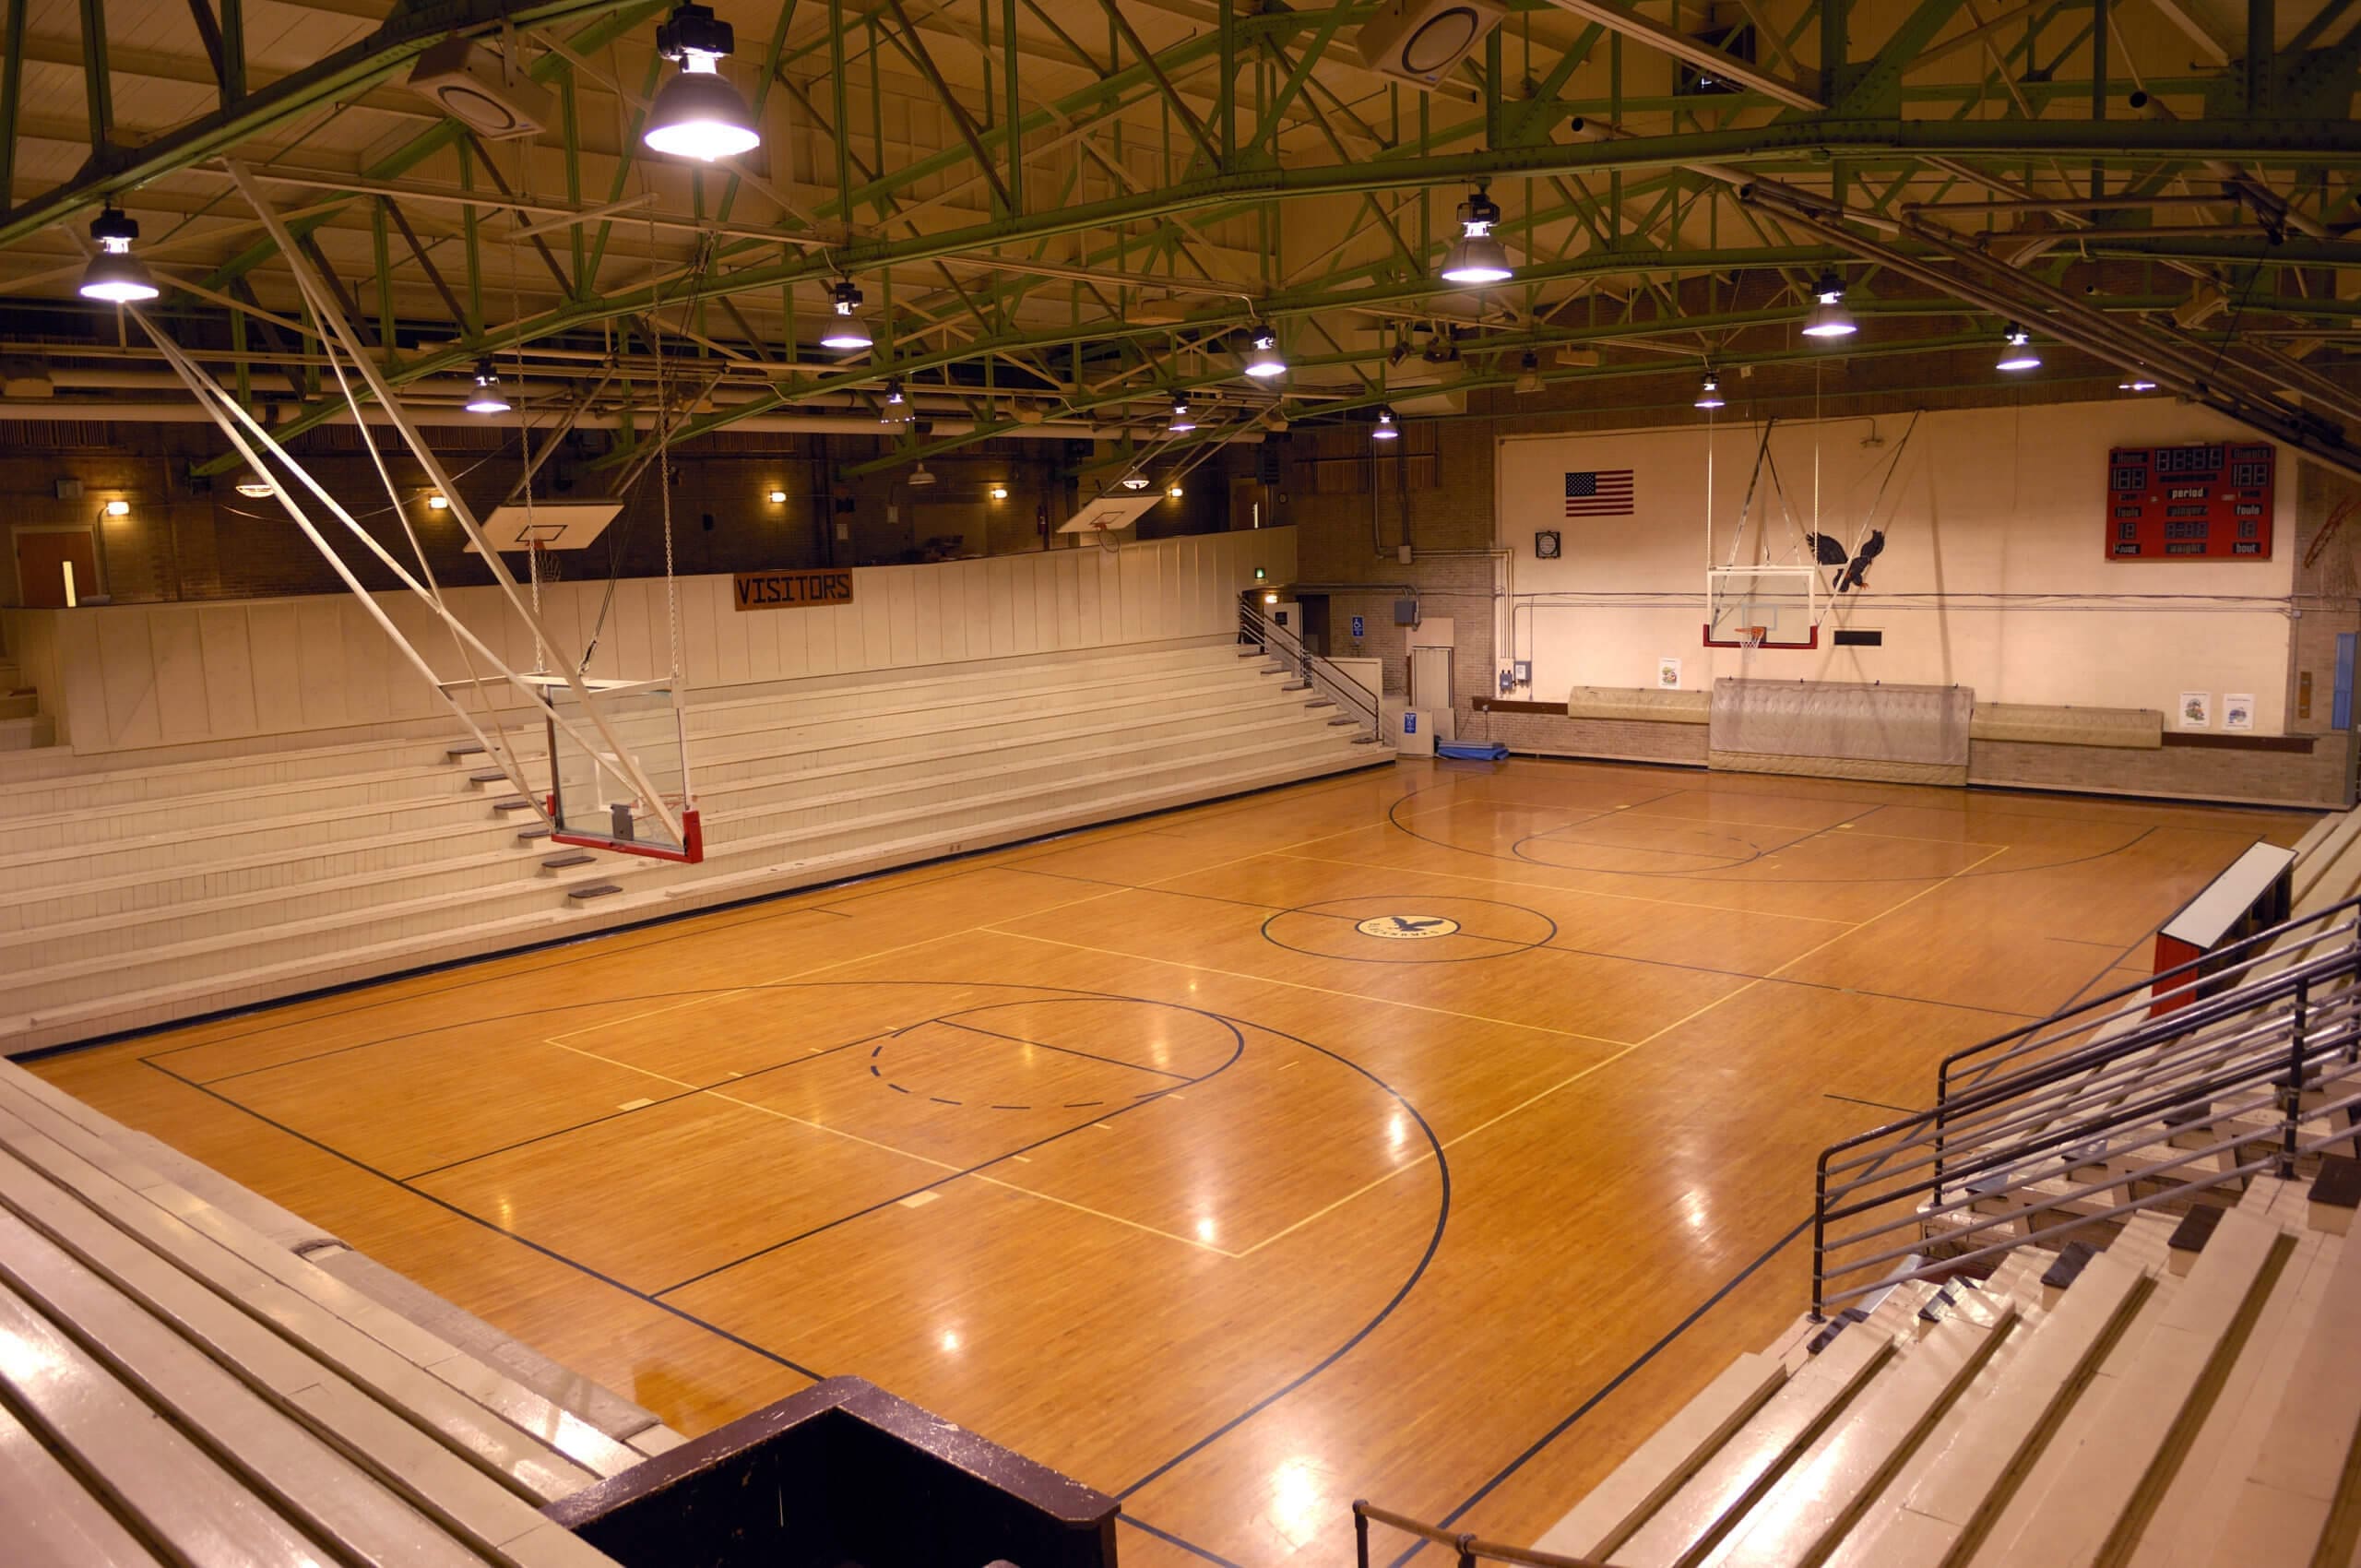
<point x="1476" y="258"/>
<point x="1182" y="421"/>
<point x="1829" y="318"/>
<point x="487" y="398"/>
<point x="847" y="331"/>
<point x="114" y="275"/>
<point x="253" y="485"/>
<point x="1529" y="377"/>
<point x="698" y="114"/>
<point x="2017" y="350"/>
<point x="2137" y="384"/>
<point x="1709" y="396"/>
<point x="1385" y="429"/>
<point x="1262" y="359"/>
<point x="920" y="477"/>
<point x="897" y="407"/>
<point x="1135" y="482"/>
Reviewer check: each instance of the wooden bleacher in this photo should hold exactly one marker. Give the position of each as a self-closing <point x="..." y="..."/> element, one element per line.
<point x="2129" y="1416"/>
<point x="180" y="1387"/>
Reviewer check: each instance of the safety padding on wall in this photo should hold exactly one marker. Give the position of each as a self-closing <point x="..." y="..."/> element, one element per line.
<point x="1842" y="730"/>
<point x="1638" y="705"/>
<point x="2132" y="728"/>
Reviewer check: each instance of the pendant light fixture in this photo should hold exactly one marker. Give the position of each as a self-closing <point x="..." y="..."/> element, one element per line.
<point x="847" y="331"/>
<point x="1135" y="482"/>
<point x="252" y="485"/>
<point x="1476" y="258"/>
<point x="1528" y="377"/>
<point x="897" y="407"/>
<point x="2017" y="350"/>
<point x="698" y="114"/>
<point x="1385" y="429"/>
<point x="487" y="398"/>
<point x="1829" y="318"/>
<point x="1263" y="358"/>
<point x="116" y="276"/>
<point x="1709" y="396"/>
<point x="1181" y="422"/>
<point x="2137" y="384"/>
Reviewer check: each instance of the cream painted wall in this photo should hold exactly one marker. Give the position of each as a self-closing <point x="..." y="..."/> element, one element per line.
<point x="1983" y="504"/>
<point x="133" y="677"/>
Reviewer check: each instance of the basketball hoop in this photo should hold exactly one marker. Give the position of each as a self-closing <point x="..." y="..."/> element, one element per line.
<point x="1750" y="637"/>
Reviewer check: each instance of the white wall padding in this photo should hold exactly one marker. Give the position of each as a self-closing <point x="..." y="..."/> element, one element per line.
<point x="1842" y="729"/>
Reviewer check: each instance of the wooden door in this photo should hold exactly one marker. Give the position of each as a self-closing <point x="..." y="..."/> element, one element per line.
<point x="41" y="560"/>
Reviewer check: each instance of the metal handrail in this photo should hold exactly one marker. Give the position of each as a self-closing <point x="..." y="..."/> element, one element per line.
<point x="1471" y="1548"/>
<point x="2220" y="1062"/>
<point x="2205" y="966"/>
<point x="1284" y="645"/>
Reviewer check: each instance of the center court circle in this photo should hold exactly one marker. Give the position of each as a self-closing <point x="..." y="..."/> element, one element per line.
<point x="1406" y="928"/>
<point x="1426" y="928"/>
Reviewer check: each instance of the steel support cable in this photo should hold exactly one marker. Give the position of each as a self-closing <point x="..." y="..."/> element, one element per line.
<point x="332" y="318"/>
<point x="225" y="411"/>
<point x="502" y="752"/>
<point x="2106" y="341"/>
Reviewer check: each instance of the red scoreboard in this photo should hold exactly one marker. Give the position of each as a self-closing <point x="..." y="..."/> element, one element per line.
<point x="2209" y="502"/>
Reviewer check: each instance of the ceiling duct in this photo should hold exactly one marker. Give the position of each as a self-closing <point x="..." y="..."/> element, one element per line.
<point x="478" y="87"/>
<point x="1421" y="41"/>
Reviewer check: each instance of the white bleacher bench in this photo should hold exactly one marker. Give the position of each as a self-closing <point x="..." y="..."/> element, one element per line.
<point x="182" y="1387"/>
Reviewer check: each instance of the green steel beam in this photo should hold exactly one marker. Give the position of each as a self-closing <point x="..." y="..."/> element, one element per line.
<point x="610" y="24"/>
<point x="1155" y="68"/>
<point x="232" y="70"/>
<point x="98" y="87"/>
<point x="906" y="39"/>
<point x="12" y="90"/>
<point x="343" y="74"/>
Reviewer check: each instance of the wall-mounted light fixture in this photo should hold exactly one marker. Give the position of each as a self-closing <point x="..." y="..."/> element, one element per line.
<point x="118" y="508"/>
<point x="779" y="498"/>
<point x="1000" y="492"/>
<point x="438" y="502"/>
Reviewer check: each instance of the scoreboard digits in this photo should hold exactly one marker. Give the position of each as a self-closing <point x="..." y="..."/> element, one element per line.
<point x="2204" y="503"/>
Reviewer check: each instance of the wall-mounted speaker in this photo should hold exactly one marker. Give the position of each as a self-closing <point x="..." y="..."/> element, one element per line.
<point x="1421" y="41"/>
<point x="478" y="87"/>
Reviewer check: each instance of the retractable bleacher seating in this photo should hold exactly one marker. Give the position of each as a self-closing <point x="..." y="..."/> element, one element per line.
<point x="150" y="893"/>
<point x="179" y="1385"/>
<point x="2112" y="1315"/>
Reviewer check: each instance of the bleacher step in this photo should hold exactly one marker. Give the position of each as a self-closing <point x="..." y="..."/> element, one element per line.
<point x="583" y="894"/>
<point x="571" y="857"/>
<point x="487" y="775"/>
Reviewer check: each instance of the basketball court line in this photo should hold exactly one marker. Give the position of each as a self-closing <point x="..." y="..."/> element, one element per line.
<point x="969" y="930"/>
<point x="1299" y="985"/>
<point x="951" y="1173"/>
<point x="1581" y="892"/>
<point x="1718" y="821"/>
<point x="1067" y="1050"/>
<point x="491" y="968"/>
<point x="1552" y="944"/>
<point x="1576" y="1078"/>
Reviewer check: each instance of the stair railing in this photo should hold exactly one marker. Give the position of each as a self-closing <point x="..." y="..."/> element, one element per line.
<point x="1352" y="699"/>
<point x="1469" y="1549"/>
<point x="2102" y="1111"/>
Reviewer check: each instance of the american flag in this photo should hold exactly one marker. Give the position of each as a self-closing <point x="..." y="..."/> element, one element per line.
<point x="1600" y="492"/>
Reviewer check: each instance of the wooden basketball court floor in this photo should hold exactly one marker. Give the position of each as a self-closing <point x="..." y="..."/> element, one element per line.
<point x="1340" y="1141"/>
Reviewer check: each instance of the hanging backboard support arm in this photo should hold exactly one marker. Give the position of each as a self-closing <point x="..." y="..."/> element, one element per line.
<point x="329" y="313"/>
<point x="210" y="395"/>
